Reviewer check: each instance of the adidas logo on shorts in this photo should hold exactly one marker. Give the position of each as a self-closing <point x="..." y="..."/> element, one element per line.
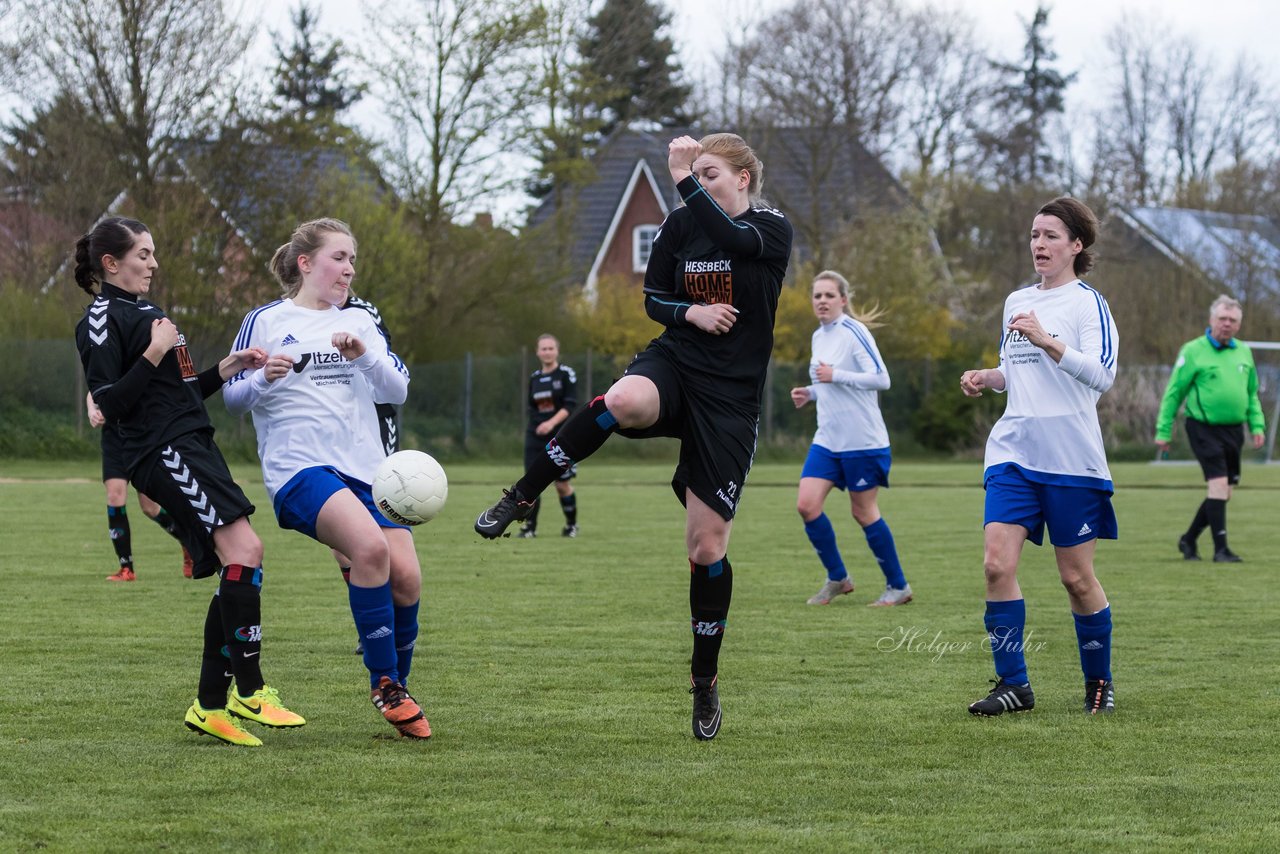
<point x="1084" y="529"/>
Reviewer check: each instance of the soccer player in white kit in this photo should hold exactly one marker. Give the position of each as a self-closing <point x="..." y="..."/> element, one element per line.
<point x="1045" y="462"/>
<point x="313" y="406"/>
<point x="851" y="448"/>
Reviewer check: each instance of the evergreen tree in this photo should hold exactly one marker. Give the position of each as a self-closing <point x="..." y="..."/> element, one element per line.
<point x="308" y="83"/>
<point x="1024" y="106"/>
<point x="629" y="68"/>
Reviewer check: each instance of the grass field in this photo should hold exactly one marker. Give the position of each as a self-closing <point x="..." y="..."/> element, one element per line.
<point x="555" y="674"/>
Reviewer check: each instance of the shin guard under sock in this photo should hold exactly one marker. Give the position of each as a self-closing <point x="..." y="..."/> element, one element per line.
<point x="1005" y="622"/>
<point x="215" y="665"/>
<point x="578" y="438"/>
<point x="1093" y="631"/>
<point x="121" y="540"/>
<point x="569" y="504"/>
<point x="710" y="590"/>
<point x="880" y="539"/>
<point x="823" y="538"/>
<point x="375" y="621"/>
<point x="240" y="589"/>
<point x="1215" y="510"/>
<point x="1199" y="523"/>
<point x="406" y="636"/>
<point x="165" y="521"/>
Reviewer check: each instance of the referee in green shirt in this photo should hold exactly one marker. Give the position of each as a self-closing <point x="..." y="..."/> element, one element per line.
<point x="1216" y="377"/>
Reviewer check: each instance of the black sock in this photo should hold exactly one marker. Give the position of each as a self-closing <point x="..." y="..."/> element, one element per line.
<point x="569" y="504"/>
<point x="531" y="521"/>
<point x="240" y="590"/>
<point x="1215" y="510"/>
<point x="578" y="438"/>
<point x="215" y="667"/>
<point x="1198" y="524"/>
<point x="118" y="526"/>
<point x="710" y="589"/>
<point x="164" y="520"/>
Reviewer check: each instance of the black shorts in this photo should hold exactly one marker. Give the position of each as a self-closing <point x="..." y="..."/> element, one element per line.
<point x="114" y="465"/>
<point x="1217" y="447"/>
<point x="190" y="479"/>
<point x="535" y="446"/>
<point x="717" y="430"/>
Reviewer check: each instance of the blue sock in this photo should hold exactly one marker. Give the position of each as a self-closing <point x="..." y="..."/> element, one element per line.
<point x="1004" y="622"/>
<point x="823" y="537"/>
<point x="1094" y="633"/>
<point x="375" y="620"/>
<point x="880" y="539"/>
<point x="406" y="638"/>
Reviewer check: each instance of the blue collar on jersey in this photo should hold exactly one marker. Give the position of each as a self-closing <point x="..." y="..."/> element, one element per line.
<point x="1230" y="345"/>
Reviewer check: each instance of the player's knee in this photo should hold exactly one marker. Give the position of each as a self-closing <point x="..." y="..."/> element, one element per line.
<point x="1078" y="584"/>
<point x="371" y="552"/>
<point x="865" y="516"/>
<point x="808" y="509"/>
<point x="631" y="406"/>
<point x="997" y="568"/>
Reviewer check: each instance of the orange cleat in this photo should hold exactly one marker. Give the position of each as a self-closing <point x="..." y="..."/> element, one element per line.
<point x="125" y="574"/>
<point x="400" y="710"/>
<point x="187" y="563"/>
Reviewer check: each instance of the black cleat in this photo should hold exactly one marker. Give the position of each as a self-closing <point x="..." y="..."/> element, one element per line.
<point x="1005" y="697"/>
<point x="1225" y="555"/>
<point x="569" y="531"/>
<point x="706" y="707"/>
<point x="527" y="532"/>
<point x="512" y="508"/>
<point x="1188" y="548"/>
<point x="1099" y="697"/>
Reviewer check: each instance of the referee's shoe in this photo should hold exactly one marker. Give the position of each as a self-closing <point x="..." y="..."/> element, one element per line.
<point x="513" y="507"/>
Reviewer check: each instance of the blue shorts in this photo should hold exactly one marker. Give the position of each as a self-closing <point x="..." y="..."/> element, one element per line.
<point x="1074" y="514"/>
<point x="856" y="471"/>
<point x="298" y="502"/>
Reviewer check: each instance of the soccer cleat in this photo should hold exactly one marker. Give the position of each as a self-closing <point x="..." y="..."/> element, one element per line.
<point x="359" y="646"/>
<point x="400" y="710"/>
<point x="892" y="596"/>
<point x="1222" y="555"/>
<point x="706" y="707"/>
<point x="220" y="725"/>
<point x="569" y="531"/>
<point x="125" y="574"/>
<point x="263" y="707"/>
<point x="831" y="590"/>
<point x="188" y="565"/>
<point x="511" y="508"/>
<point x="1188" y="548"/>
<point x="527" y="532"/>
<point x="1099" y="697"/>
<point x="1005" y="697"/>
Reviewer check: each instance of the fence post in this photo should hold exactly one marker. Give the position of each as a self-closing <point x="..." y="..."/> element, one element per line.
<point x="466" y="400"/>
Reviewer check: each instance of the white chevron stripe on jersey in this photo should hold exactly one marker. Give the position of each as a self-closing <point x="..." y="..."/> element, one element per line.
<point x="98" y="321"/>
<point x="191" y="488"/>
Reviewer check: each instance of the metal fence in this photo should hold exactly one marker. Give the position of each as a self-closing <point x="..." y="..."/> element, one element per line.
<point x="476" y="405"/>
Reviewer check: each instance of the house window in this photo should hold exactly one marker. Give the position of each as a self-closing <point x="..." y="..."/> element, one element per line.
<point x="641" y="245"/>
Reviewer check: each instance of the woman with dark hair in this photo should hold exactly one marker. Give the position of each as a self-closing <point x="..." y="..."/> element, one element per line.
<point x="142" y="377"/>
<point x="313" y="402"/>
<point x="1045" y="464"/>
<point x="713" y="281"/>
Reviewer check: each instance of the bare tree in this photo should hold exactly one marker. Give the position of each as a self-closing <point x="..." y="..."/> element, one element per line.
<point x="152" y="71"/>
<point x="456" y="77"/>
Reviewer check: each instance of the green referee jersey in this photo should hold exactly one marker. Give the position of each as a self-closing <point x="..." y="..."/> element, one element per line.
<point x="1219" y="383"/>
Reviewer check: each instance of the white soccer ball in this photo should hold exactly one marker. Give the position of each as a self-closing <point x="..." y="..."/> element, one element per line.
<point x="410" y="488"/>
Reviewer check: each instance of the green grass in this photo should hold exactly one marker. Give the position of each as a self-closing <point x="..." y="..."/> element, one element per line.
<point x="554" y="673"/>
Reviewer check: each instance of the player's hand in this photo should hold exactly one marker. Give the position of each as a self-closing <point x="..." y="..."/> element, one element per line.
<point x="164" y="337"/>
<point x="1162" y="445"/>
<point x="277" y="366"/>
<point x="96" y="418"/>
<point x="716" y="319"/>
<point x="248" y="359"/>
<point x="800" y="396"/>
<point x="542" y="429"/>
<point x="973" y="383"/>
<point x="348" y="345"/>
<point x="681" y="152"/>
<point x="824" y="373"/>
<point x="1259" y="439"/>
<point x="1029" y="325"/>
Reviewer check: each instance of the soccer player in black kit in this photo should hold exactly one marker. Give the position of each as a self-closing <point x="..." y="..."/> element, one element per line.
<point x="553" y="395"/>
<point x="141" y="376"/>
<point x="713" y="281"/>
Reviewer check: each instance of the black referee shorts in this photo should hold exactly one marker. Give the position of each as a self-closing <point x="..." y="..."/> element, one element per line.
<point x="189" y="478"/>
<point x="716" y="424"/>
<point x="114" y="465"/>
<point x="1217" y="447"/>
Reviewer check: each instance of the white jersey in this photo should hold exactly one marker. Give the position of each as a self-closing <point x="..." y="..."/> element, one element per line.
<point x="849" y="416"/>
<point x="1050" y="423"/>
<point x="322" y="413"/>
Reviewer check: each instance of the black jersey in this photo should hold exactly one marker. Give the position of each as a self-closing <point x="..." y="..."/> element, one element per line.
<point x="354" y="301"/>
<point x="549" y="393"/>
<point x="388" y="413"/>
<point x="150" y="404"/>
<point x="702" y="256"/>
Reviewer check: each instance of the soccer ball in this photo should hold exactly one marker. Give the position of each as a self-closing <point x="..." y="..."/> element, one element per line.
<point x="410" y="487"/>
